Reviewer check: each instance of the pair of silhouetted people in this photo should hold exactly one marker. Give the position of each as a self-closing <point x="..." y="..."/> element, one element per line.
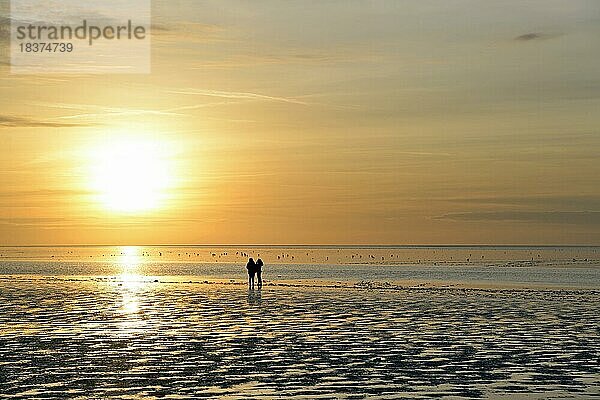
<point x="254" y="268"/>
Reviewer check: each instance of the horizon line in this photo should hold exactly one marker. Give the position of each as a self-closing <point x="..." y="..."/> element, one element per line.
<point x="290" y="245"/>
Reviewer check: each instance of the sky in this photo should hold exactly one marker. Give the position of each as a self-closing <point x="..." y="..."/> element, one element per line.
<point x="317" y="122"/>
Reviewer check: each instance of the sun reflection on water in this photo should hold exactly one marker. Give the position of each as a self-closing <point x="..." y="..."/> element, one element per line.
<point x="130" y="280"/>
<point x="129" y="258"/>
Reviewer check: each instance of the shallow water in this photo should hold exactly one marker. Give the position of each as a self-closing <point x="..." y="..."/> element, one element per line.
<point x="103" y="339"/>
<point x="449" y="255"/>
<point x="539" y="267"/>
<point x="313" y="331"/>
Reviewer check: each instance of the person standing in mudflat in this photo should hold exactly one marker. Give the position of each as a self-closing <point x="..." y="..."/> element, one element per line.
<point x="259" y="265"/>
<point x="251" y="267"/>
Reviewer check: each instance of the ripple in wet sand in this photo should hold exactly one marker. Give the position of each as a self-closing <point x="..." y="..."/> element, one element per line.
<point x="98" y="339"/>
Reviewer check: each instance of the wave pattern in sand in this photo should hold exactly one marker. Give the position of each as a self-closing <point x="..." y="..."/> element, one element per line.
<point x="153" y="340"/>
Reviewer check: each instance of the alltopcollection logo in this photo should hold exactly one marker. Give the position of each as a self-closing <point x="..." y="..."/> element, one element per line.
<point x="70" y="36"/>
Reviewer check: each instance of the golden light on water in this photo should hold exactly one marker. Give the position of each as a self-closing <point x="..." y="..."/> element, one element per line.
<point x="129" y="258"/>
<point x="131" y="175"/>
<point x="130" y="304"/>
<point x="130" y="280"/>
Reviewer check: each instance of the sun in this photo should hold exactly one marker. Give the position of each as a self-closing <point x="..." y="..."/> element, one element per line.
<point x="131" y="175"/>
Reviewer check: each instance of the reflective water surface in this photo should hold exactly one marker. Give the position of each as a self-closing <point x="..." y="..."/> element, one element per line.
<point x="132" y="335"/>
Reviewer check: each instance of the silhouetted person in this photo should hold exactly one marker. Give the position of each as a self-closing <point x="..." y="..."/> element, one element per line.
<point x="259" y="265"/>
<point x="251" y="267"/>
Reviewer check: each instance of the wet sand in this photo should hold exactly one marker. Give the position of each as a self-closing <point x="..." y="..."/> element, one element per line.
<point x="125" y="337"/>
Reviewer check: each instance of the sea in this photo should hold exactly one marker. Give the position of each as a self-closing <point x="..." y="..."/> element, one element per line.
<point x="329" y="322"/>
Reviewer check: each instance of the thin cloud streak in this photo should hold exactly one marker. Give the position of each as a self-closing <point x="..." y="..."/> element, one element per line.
<point x="10" y="121"/>
<point x="238" y="95"/>
<point x="534" y="36"/>
<point x="103" y="111"/>
<point x="545" y="217"/>
<point x="248" y="96"/>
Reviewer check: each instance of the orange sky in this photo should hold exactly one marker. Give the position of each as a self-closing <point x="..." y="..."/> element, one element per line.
<point x="350" y="122"/>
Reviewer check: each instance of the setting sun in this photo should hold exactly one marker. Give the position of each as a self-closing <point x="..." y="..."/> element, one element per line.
<point x="131" y="175"/>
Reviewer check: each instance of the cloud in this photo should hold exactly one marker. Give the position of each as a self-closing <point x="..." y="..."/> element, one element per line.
<point x="534" y="36"/>
<point x="93" y="222"/>
<point x="242" y="97"/>
<point x="549" y="217"/>
<point x="238" y="96"/>
<point x="188" y="32"/>
<point x="556" y="202"/>
<point x="30" y="221"/>
<point x="95" y="111"/>
<point x="306" y="57"/>
<point x="10" y="121"/>
<point x="43" y="193"/>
